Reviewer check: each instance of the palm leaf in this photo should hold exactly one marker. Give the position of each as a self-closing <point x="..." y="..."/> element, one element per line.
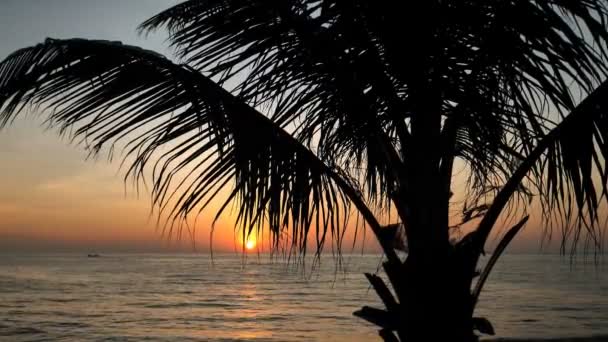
<point x="367" y="90"/>
<point x="566" y="160"/>
<point x="502" y="245"/>
<point x="193" y="136"/>
<point x="317" y="70"/>
<point x="355" y="71"/>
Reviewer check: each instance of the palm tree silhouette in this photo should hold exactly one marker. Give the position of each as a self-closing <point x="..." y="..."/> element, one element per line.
<point x="306" y="109"/>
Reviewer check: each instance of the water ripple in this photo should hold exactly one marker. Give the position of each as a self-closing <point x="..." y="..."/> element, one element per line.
<point x="183" y="298"/>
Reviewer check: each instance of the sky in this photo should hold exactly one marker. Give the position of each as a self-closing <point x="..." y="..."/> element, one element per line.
<point x="51" y="197"/>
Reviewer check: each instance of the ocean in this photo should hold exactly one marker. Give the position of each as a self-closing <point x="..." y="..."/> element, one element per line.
<point x="184" y="297"/>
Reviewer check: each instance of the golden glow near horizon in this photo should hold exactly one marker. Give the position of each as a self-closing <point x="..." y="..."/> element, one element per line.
<point x="53" y="199"/>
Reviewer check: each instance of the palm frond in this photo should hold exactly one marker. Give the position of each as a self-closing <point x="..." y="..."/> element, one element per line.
<point x="501" y="75"/>
<point x="570" y="164"/>
<point x="502" y="245"/>
<point x="384" y="102"/>
<point x="193" y="136"/>
<point x="312" y="63"/>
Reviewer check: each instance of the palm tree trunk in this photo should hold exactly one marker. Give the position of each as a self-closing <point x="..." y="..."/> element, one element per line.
<point x="436" y="302"/>
<point x="433" y="285"/>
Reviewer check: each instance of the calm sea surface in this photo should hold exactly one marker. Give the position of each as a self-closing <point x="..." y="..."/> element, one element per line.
<point x="151" y="297"/>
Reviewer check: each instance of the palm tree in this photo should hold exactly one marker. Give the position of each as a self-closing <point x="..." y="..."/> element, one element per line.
<point x="306" y="109"/>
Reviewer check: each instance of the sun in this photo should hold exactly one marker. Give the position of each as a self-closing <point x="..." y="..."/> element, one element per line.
<point x="250" y="244"/>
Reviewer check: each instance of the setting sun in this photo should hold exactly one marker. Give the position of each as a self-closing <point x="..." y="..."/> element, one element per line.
<point x="250" y="244"/>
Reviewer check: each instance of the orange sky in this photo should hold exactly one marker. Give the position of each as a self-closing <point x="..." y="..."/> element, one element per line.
<point x="54" y="199"/>
<point x="51" y="198"/>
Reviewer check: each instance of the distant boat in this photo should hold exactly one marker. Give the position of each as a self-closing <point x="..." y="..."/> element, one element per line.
<point x="93" y="255"/>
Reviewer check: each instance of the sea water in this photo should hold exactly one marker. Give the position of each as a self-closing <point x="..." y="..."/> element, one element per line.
<point x="187" y="297"/>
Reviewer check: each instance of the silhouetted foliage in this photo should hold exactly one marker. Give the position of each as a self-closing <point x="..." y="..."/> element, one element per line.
<point x="367" y="105"/>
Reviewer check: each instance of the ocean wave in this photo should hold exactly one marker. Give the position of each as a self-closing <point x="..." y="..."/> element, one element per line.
<point x="66" y="324"/>
<point x="61" y="300"/>
<point x="568" y="308"/>
<point x="131" y="300"/>
<point x="13" y="331"/>
<point x="192" y="305"/>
